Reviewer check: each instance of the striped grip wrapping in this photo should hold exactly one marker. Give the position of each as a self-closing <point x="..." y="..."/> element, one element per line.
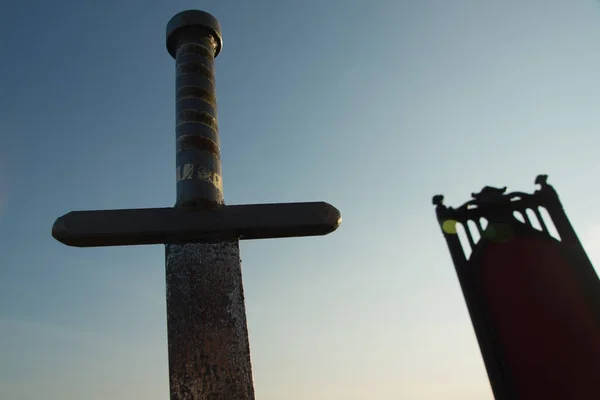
<point x="198" y="159"/>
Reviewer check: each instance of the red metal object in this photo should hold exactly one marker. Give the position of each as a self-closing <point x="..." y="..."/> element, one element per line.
<point x="534" y="299"/>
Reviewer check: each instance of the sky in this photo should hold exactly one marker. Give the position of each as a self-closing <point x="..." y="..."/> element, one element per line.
<point x="371" y="105"/>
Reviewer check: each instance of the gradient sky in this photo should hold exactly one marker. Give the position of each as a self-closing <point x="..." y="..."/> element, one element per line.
<point x="373" y="106"/>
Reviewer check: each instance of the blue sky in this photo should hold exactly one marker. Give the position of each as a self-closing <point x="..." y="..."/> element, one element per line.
<point x="373" y="106"/>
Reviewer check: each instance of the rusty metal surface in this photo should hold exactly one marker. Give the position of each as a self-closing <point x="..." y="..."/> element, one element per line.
<point x="209" y="352"/>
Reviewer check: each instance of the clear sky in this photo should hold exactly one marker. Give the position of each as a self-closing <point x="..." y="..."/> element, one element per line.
<point x="373" y="106"/>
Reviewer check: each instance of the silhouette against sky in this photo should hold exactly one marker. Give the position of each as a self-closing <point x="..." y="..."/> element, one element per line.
<point x="373" y="106"/>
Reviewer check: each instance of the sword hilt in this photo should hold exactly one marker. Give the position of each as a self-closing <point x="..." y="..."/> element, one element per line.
<point x="194" y="40"/>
